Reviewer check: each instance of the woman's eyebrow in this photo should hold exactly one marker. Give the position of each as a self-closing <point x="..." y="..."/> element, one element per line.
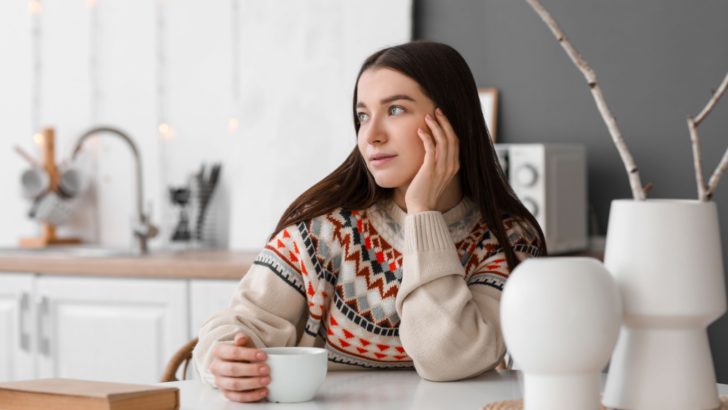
<point x="388" y="100"/>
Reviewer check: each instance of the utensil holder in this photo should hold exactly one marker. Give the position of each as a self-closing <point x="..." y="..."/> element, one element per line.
<point x="48" y="234"/>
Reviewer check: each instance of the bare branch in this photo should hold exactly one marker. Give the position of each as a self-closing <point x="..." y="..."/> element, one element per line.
<point x="697" y="161"/>
<point x="705" y="193"/>
<point x="632" y="172"/>
<point x="713" y="100"/>
<point x="713" y="183"/>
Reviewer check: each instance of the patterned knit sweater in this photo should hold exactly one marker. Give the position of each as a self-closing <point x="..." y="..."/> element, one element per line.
<point x="378" y="289"/>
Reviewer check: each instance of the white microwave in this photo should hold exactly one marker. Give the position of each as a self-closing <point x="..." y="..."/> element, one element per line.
<point x="551" y="182"/>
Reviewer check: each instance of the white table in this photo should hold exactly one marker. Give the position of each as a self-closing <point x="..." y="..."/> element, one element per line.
<point x="381" y="390"/>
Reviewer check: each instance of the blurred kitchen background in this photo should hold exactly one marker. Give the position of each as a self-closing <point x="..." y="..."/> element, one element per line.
<point x="264" y="89"/>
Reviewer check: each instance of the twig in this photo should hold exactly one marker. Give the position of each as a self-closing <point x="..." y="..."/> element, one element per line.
<point x="719" y="171"/>
<point x="638" y="191"/>
<point x="697" y="161"/>
<point x="713" y="100"/>
<point x="705" y="193"/>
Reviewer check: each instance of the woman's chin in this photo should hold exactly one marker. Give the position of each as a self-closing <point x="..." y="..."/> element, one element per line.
<point x="386" y="183"/>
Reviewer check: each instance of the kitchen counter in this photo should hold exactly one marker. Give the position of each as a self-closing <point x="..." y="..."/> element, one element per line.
<point x="166" y="264"/>
<point x="200" y="264"/>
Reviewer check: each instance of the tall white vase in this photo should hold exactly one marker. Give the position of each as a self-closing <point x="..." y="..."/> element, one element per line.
<point x="666" y="258"/>
<point x="560" y="320"/>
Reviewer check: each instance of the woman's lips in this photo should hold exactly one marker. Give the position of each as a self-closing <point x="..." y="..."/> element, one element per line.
<point x="381" y="161"/>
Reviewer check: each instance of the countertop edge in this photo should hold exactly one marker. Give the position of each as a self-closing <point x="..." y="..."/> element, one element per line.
<point x="186" y="265"/>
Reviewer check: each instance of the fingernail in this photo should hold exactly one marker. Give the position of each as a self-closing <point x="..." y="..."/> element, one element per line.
<point x="264" y="381"/>
<point x="438" y="111"/>
<point x="260" y="355"/>
<point x="428" y="116"/>
<point x="263" y="370"/>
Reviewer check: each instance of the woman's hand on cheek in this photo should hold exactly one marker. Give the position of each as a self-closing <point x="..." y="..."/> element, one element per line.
<point x="440" y="165"/>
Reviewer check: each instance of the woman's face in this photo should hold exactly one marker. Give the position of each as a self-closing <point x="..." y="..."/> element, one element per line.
<point x="390" y="107"/>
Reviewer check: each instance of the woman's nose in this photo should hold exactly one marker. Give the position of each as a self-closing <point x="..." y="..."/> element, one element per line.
<point x="375" y="132"/>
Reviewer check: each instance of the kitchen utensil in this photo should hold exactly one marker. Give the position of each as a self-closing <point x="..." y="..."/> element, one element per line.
<point x="34" y="182"/>
<point x="23" y="153"/>
<point x="181" y="197"/>
<point x="206" y="188"/>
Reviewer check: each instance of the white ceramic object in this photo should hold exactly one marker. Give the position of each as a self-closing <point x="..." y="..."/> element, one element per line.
<point x="71" y="182"/>
<point x="560" y="319"/>
<point x="34" y="182"/>
<point x="53" y="209"/>
<point x="666" y="258"/>
<point x="296" y="373"/>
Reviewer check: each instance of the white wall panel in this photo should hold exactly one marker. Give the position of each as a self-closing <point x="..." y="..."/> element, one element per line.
<point x="300" y="63"/>
<point x="126" y="98"/>
<point x="15" y="118"/>
<point x="64" y="89"/>
<point x="199" y="95"/>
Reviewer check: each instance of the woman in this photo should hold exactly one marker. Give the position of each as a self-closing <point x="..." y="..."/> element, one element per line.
<point x="396" y="259"/>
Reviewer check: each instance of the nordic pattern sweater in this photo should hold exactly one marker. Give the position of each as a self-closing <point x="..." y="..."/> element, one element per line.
<point x="378" y="288"/>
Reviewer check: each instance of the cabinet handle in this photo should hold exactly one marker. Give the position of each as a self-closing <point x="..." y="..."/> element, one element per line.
<point x="44" y="344"/>
<point x="24" y="312"/>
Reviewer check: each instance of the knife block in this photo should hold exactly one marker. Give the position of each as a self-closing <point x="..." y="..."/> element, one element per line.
<point x="48" y="234"/>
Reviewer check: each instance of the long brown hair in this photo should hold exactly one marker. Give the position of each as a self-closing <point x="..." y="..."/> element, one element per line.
<point x="446" y="79"/>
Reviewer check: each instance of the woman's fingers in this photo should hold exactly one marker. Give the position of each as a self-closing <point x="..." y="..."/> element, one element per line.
<point x="445" y="124"/>
<point x="429" y="144"/>
<point x="238" y="369"/>
<point x="230" y="352"/>
<point x="241" y="384"/>
<point x="453" y="142"/>
<point x="245" y="397"/>
<point x="441" y="143"/>
<point x="241" y="339"/>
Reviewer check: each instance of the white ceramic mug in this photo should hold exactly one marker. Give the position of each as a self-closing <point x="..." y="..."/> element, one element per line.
<point x="34" y="182"/>
<point x="52" y="208"/>
<point x="296" y="373"/>
<point x="70" y="182"/>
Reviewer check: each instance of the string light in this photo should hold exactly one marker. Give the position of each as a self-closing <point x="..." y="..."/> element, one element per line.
<point x="93" y="61"/>
<point x="165" y="130"/>
<point x="38" y="139"/>
<point x="35" y="8"/>
<point x="233" y="123"/>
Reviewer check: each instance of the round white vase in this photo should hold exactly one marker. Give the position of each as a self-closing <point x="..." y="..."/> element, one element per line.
<point x="666" y="258"/>
<point x="560" y="319"/>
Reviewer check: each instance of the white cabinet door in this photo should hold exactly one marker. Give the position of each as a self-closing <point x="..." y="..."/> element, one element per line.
<point x="122" y="330"/>
<point x="208" y="297"/>
<point x="16" y="327"/>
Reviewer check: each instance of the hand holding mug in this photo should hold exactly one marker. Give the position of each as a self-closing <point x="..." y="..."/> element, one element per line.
<point x="240" y="370"/>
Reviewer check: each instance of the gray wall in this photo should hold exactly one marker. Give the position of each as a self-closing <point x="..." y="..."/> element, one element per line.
<point x="656" y="61"/>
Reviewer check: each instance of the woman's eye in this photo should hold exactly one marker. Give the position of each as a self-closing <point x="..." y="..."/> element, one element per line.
<point x="362" y="117"/>
<point x="395" y="109"/>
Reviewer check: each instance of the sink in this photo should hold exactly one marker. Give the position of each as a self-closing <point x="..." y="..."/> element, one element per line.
<point x="84" y="251"/>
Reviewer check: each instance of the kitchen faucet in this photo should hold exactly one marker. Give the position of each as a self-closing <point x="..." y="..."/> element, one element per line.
<point x="144" y="229"/>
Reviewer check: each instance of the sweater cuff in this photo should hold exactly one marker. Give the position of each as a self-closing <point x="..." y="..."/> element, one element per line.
<point x="426" y="232"/>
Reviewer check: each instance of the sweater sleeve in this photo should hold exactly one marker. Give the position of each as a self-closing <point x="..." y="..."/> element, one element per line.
<point x="269" y="304"/>
<point x="450" y="324"/>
